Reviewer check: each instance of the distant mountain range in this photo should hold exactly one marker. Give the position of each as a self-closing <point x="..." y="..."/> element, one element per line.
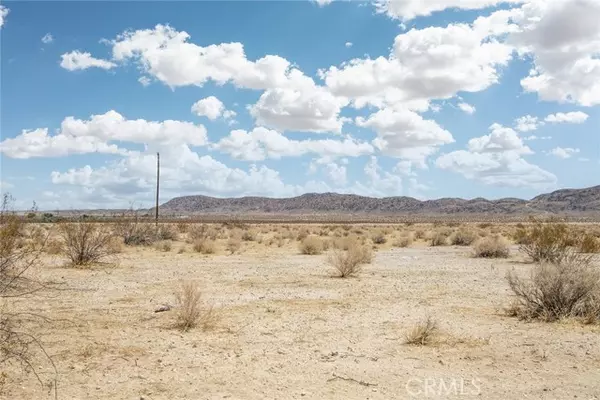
<point x="566" y="201"/>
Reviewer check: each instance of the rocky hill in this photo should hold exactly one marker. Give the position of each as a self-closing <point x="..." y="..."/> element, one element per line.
<point x="565" y="201"/>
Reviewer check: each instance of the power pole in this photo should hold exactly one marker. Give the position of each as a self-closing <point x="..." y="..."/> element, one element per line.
<point x="157" y="186"/>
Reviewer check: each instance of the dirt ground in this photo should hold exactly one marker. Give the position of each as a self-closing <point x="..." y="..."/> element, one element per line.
<point x="287" y="329"/>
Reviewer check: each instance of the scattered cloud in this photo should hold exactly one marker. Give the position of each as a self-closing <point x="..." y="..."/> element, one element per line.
<point x="405" y="10"/>
<point x="3" y="13"/>
<point x="405" y="134"/>
<point x="496" y="159"/>
<point x="47" y="38"/>
<point x="527" y="123"/>
<point x="261" y="143"/>
<point x="77" y="136"/>
<point x="212" y="108"/>
<point x="563" y="40"/>
<point x="349" y="44"/>
<point x="467" y="108"/>
<point x="77" y="60"/>
<point x="563" y="152"/>
<point x="576" y="117"/>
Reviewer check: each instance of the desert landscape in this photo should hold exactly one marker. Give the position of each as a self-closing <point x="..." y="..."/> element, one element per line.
<point x="340" y="311"/>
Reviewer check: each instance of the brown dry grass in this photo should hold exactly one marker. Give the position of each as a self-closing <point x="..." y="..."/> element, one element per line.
<point x="191" y="312"/>
<point x="423" y="333"/>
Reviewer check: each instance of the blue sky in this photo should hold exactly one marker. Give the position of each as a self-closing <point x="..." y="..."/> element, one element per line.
<point x="286" y="97"/>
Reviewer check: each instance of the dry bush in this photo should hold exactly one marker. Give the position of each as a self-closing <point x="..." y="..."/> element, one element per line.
<point x="420" y="234"/>
<point x="311" y="245"/>
<point x="379" y="238"/>
<point x="249" y="236"/>
<point x="423" y="333"/>
<point x="190" y="310"/>
<point x="589" y="244"/>
<point x="403" y="241"/>
<point x="164" y="245"/>
<point x="135" y="232"/>
<point x="439" y="239"/>
<point x="463" y="237"/>
<point x="491" y="247"/>
<point x="183" y="227"/>
<point x="18" y="347"/>
<point x="233" y="245"/>
<point x="205" y="246"/>
<point x="570" y="288"/>
<point x="166" y="232"/>
<point x="201" y="231"/>
<point x="484" y="225"/>
<point x="363" y="253"/>
<point x="346" y="263"/>
<point x="54" y="246"/>
<point x="86" y="243"/>
<point x="546" y="241"/>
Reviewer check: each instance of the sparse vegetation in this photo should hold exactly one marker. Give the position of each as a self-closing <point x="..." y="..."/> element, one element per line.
<point x="439" y="239"/>
<point x="546" y="241"/>
<point x="423" y="333"/>
<point x="491" y="247"/>
<point x="569" y="288"/>
<point x="403" y="241"/>
<point x="190" y="311"/>
<point x="164" y="245"/>
<point x="234" y="245"/>
<point x="205" y="246"/>
<point x="349" y="262"/>
<point x="311" y="245"/>
<point x="463" y="237"/>
<point x="379" y="238"/>
<point x="85" y="243"/>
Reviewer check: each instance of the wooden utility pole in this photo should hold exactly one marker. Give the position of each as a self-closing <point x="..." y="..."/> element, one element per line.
<point x="157" y="186"/>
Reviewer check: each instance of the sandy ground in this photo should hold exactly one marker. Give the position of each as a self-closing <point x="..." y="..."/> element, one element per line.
<point x="288" y="330"/>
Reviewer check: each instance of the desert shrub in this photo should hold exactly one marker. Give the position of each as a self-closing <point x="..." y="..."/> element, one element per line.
<point x="420" y="234"/>
<point x="379" y="238"/>
<point x="589" y="244"/>
<point x="346" y="263"/>
<point x="233" y="245"/>
<point x="439" y="239"/>
<point x="249" y="236"/>
<point x="54" y="246"/>
<point x="546" y="241"/>
<point x="164" y="245"/>
<point x="363" y="253"/>
<point x="166" y="232"/>
<point x="197" y="232"/>
<point x="86" y="242"/>
<point x="311" y="245"/>
<point x="190" y="310"/>
<point x="182" y="227"/>
<point x="204" y="246"/>
<point x="403" y="241"/>
<point x="135" y="232"/>
<point x="491" y="247"/>
<point x="484" y="225"/>
<point x="570" y="288"/>
<point x="302" y="234"/>
<point x="423" y="333"/>
<point x="18" y="345"/>
<point x="463" y="237"/>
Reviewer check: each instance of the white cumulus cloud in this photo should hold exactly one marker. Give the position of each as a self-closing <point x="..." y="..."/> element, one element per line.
<point x="212" y="108"/>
